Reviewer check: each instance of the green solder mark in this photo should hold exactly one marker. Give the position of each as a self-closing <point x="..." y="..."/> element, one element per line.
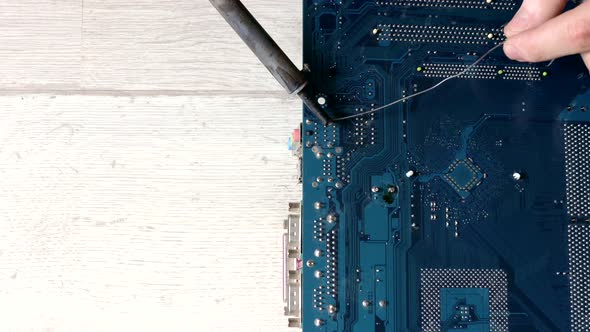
<point x="501" y="72"/>
<point x="419" y="69"/>
<point x="545" y="74"/>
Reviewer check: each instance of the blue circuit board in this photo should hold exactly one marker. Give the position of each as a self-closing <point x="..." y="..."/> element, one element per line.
<point x="463" y="209"/>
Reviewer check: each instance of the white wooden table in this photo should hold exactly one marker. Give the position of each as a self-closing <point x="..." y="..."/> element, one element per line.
<point x="144" y="170"/>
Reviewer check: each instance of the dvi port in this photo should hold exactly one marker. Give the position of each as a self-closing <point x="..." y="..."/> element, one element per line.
<point x="292" y="265"/>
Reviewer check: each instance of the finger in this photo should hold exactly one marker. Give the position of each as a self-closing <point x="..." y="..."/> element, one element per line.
<point x="533" y="13"/>
<point x="586" y="58"/>
<point x="568" y="33"/>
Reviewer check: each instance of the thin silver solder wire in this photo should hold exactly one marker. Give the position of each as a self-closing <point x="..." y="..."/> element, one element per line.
<point x="425" y="90"/>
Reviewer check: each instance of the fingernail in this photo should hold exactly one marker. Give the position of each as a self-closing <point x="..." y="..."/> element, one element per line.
<point x="512" y="52"/>
<point x="518" y="23"/>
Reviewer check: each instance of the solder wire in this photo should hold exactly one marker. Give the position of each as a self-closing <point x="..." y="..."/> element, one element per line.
<point x="475" y="63"/>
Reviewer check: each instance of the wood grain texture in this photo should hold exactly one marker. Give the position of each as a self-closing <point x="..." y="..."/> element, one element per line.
<point x="144" y="213"/>
<point x="167" y="45"/>
<point x="40" y="44"/>
<point x="144" y="174"/>
<point x="179" y="45"/>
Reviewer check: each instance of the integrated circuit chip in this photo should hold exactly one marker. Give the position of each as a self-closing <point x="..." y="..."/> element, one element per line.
<point x="463" y="175"/>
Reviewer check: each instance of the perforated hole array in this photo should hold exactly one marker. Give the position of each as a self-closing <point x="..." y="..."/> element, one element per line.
<point x="577" y="169"/>
<point x="342" y="171"/>
<point x="438" y="34"/>
<point x="579" y="260"/>
<point x="433" y="280"/>
<point x="326" y="167"/>
<point x="364" y="131"/>
<point x="520" y="73"/>
<point x="467" y="4"/>
<point x="443" y="70"/>
<point x="332" y="263"/>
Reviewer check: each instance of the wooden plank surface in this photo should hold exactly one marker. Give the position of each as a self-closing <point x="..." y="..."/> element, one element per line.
<point x="40" y="44"/>
<point x="144" y="213"/>
<point x="177" y="46"/>
<point x="144" y="174"/>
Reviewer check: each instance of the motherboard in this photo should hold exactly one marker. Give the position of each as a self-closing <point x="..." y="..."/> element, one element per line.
<point x="463" y="209"/>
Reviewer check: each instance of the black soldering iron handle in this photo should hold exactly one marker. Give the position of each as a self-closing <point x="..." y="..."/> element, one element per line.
<point x="268" y="52"/>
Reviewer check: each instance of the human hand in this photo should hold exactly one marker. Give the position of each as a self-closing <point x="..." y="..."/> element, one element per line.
<point x="540" y="31"/>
